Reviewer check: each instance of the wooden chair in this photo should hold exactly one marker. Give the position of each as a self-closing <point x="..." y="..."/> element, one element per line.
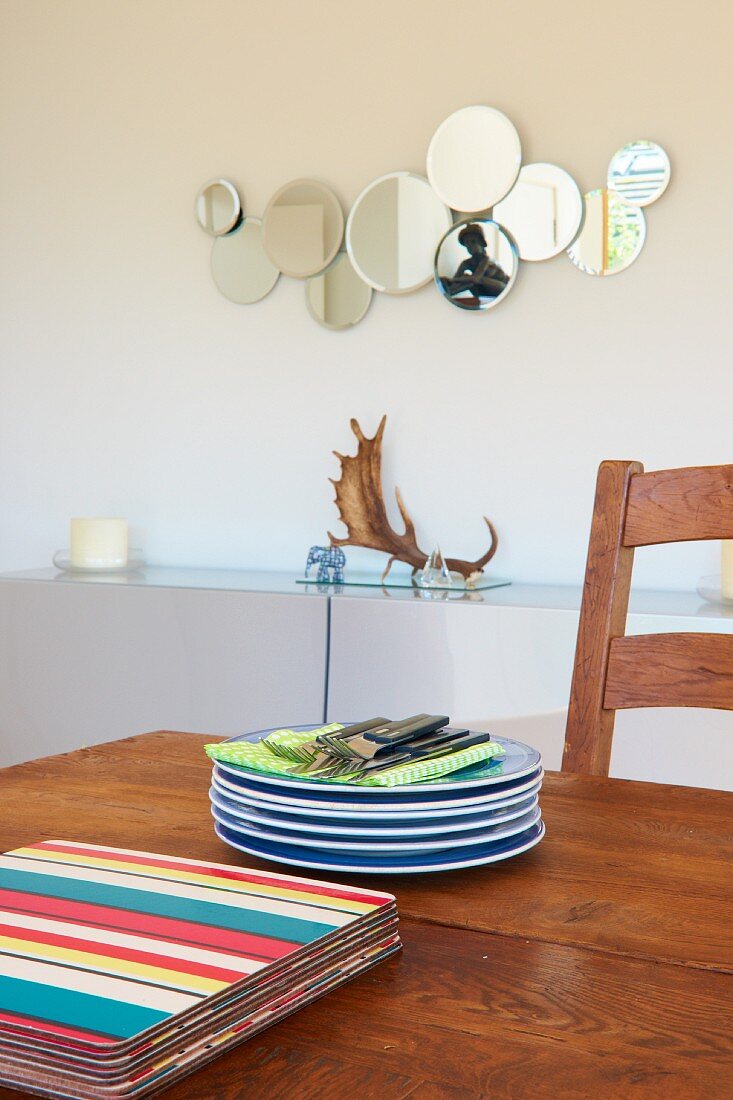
<point x="613" y="671"/>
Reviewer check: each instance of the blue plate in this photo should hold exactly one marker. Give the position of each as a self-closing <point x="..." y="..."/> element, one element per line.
<point x="518" y="761"/>
<point x="372" y="846"/>
<point x="475" y="856"/>
<point x="393" y="804"/>
<point x="365" y="828"/>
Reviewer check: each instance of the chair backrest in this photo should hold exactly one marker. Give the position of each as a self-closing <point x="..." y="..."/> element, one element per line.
<point x="612" y="671"/>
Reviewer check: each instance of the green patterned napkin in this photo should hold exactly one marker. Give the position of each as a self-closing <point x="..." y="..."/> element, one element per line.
<point x="422" y="771"/>
<point x="256" y="757"/>
<point x="292" y="737"/>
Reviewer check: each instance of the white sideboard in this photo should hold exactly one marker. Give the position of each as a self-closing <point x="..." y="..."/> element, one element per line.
<point x="95" y="659"/>
<point x="88" y="659"/>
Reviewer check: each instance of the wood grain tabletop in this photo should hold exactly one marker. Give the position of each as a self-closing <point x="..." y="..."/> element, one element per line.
<point x="597" y="963"/>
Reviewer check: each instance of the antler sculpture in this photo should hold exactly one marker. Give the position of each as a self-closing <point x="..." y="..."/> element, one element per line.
<point x="361" y="508"/>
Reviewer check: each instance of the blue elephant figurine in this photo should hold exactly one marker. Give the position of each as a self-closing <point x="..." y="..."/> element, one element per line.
<point x="329" y="558"/>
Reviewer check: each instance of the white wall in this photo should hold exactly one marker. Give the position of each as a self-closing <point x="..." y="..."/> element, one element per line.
<point x="131" y="386"/>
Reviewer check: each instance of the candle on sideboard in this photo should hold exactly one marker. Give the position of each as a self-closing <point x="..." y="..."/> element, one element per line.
<point x="98" y="542"/>
<point x="726" y="569"/>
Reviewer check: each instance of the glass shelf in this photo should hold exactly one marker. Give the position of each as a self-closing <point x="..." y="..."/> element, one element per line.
<point x="397" y="579"/>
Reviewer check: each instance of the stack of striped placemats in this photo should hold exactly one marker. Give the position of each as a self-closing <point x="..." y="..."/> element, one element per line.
<point x="121" y="971"/>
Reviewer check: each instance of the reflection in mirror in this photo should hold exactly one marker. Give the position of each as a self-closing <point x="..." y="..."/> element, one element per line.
<point x="543" y="211"/>
<point x="218" y="209"/>
<point x="240" y="266"/>
<point x="476" y="264"/>
<point x="639" y="172"/>
<point x="338" y="298"/>
<point x="474" y="158"/>
<point x="393" y="230"/>
<point x="612" y="235"/>
<point x="302" y="228"/>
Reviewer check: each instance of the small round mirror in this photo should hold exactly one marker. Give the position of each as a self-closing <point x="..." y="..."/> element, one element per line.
<point x="612" y="235"/>
<point x="302" y="228"/>
<point x="476" y="264"/>
<point x="240" y="266"/>
<point x="474" y="158"/>
<point x="543" y="211"/>
<point x="393" y="230"/>
<point x="338" y="298"/>
<point x="639" y="172"/>
<point x="218" y="209"/>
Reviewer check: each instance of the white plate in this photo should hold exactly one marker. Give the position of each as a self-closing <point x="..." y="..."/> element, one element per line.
<point x="473" y="857"/>
<point x="360" y="828"/>
<point x="518" y="760"/>
<point x="393" y="809"/>
<point x="380" y="846"/>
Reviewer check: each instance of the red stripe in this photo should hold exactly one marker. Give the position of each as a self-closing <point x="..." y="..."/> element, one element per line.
<point x="229" y="873"/>
<point x="12" y="1018"/>
<point x="71" y="943"/>
<point x="164" y="928"/>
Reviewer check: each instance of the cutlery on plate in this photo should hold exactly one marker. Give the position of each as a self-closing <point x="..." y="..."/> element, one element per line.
<point x="304" y="753"/>
<point x="365" y="746"/>
<point x="407" y="753"/>
<point x="328" y="747"/>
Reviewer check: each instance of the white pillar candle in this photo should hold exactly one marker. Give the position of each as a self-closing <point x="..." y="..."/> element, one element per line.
<point x="98" y="543"/>
<point x="726" y="569"/>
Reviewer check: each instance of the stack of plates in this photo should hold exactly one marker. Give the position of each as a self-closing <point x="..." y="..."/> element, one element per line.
<point x="483" y="814"/>
<point x="122" y="971"/>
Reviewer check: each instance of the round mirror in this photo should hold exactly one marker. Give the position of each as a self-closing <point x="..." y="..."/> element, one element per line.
<point x="240" y="266"/>
<point x="474" y="158"/>
<point x="476" y="264"/>
<point x="302" y="228"/>
<point x="218" y="209"/>
<point x="639" y="172"/>
<point x="338" y="298"/>
<point x="393" y="230"/>
<point x="543" y="211"/>
<point x="612" y="235"/>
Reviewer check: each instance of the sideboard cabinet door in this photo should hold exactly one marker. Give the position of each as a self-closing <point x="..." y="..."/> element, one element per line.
<point x="86" y="663"/>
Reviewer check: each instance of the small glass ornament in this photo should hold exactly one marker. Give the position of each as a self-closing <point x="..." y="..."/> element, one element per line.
<point x="434" y="573"/>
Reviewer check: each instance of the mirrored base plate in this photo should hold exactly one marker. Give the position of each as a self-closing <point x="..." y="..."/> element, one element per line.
<point x="404" y="580"/>
<point x="62" y="561"/>
<point x="710" y="588"/>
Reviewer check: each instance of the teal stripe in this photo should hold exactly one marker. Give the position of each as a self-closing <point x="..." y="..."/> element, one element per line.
<point x="291" y="929"/>
<point x="82" y="1010"/>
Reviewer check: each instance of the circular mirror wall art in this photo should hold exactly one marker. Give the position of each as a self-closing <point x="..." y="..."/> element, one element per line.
<point x="400" y="231"/>
<point x="302" y="228"/>
<point x="474" y="158"/>
<point x="639" y="172"/>
<point x="218" y="207"/>
<point x="392" y="232"/>
<point x="476" y="264"/>
<point x="543" y="211"/>
<point x="338" y="298"/>
<point x="240" y="266"/>
<point x="612" y="236"/>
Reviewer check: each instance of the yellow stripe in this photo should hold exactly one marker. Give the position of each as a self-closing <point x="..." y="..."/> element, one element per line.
<point x="104" y="964"/>
<point x="344" y="904"/>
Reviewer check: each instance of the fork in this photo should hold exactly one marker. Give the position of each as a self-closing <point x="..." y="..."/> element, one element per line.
<point x="328" y="747"/>
<point x="333" y="734"/>
<point x="425" y="750"/>
<point x="366" y="746"/>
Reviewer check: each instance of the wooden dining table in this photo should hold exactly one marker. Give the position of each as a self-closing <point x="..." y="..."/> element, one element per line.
<point x="596" y="965"/>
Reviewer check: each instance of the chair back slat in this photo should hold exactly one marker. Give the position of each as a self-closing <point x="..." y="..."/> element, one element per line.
<point x="670" y="670"/>
<point x="680" y="506"/>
